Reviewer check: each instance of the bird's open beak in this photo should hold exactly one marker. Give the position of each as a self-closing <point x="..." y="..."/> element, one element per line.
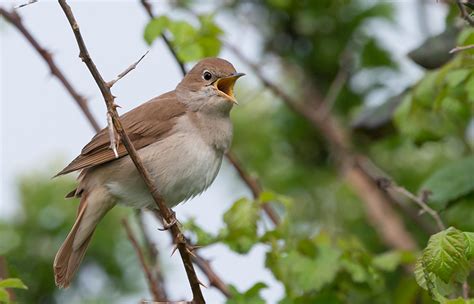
<point x="225" y="86"/>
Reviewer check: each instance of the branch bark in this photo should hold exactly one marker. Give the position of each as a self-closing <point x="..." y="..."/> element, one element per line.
<point x="202" y="263"/>
<point x="165" y="212"/>
<point x="16" y="21"/>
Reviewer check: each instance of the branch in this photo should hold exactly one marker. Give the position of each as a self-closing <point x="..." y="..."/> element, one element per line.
<point x="251" y="182"/>
<point x="388" y="185"/>
<point x="15" y="20"/>
<point x="127" y="70"/>
<point x="25" y="4"/>
<point x="165" y="212"/>
<point x="464" y="14"/>
<point x="200" y="262"/>
<point x="205" y="266"/>
<point x="461" y="48"/>
<point x="382" y="216"/>
<point x="147" y="6"/>
<point x="152" y="284"/>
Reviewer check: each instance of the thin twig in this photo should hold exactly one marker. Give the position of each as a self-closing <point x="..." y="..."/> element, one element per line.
<point x="464" y="14"/>
<point x="461" y="48"/>
<point x="165" y="212"/>
<point x="16" y="21"/>
<point x="200" y="262"/>
<point x="126" y="71"/>
<point x="251" y="182"/>
<point x="112" y="136"/>
<point x="25" y="4"/>
<point x="152" y="284"/>
<point x="387" y="184"/>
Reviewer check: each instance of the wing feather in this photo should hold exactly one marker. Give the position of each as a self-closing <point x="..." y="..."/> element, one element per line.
<point x="146" y="124"/>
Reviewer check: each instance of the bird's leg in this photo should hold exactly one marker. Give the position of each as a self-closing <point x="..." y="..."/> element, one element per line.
<point x="167" y="225"/>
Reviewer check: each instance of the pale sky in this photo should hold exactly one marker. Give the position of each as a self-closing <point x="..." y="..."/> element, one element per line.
<point x="41" y="126"/>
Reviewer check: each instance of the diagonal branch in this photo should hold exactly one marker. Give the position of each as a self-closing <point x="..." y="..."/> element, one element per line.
<point x="421" y="200"/>
<point x="203" y="264"/>
<point x="165" y="212"/>
<point x="16" y="21"/>
<point x="251" y="182"/>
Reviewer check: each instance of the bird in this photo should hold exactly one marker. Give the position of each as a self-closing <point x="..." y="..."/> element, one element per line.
<point x="181" y="137"/>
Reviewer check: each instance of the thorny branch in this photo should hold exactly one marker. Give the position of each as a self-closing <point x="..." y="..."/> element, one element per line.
<point x="152" y="284"/>
<point x="165" y="212"/>
<point x="251" y="182"/>
<point x="126" y="71"/>
<point x="388" y="185"/>
<point x="16" y="21"/>
<point x="202" y="263"/>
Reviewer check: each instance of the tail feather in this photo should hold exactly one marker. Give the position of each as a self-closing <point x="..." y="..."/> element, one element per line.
<point x="91" y="210"/>
<point x="66" y="261"/>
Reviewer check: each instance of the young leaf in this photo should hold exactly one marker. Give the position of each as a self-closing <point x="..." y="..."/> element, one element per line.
<point x="250" y="296"/>
<point x="155" y="28"/>
<point x="445" y="255"/>
<point x="450" y="182"/>
<point x="240" y="233"/>
<point x="12" y="283"/>
<point x="4" y="297"/>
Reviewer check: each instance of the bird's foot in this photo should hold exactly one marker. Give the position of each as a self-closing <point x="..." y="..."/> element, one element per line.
<point x="167" y="225"/>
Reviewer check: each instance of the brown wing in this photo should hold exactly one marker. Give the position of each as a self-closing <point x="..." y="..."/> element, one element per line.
<point x="144" y="125"/>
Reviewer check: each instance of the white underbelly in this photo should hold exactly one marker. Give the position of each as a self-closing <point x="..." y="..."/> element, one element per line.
<point x="182" y="166"/>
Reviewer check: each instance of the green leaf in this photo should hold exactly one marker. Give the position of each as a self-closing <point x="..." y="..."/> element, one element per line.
<point x="252" y="295"/>
<point x="302" y="273"/>
<point x="420" y="275"/>
<point x="4" y="296"/>
<point x="12" y="283"/>
<point x="470" y="244"/>
<point x="155" y="28"/>
<point x="389" y="261"/>
<point x="203" y="238"/>
<point x="240" y="233"/>
<point x="454" y="78"/>
<point x="183" y="33"/>
<point x="445" y="255"/>
<point x="450" y="182"/>
<point x="375" y="56"/>
<point x="190" y="52"/>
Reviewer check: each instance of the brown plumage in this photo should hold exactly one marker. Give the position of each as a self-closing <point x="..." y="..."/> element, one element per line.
<point x="181" y="137"/>
<point x="145" y="125"/>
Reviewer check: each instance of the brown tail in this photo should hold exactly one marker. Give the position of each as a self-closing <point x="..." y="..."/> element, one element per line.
<point x="70" y="255"/>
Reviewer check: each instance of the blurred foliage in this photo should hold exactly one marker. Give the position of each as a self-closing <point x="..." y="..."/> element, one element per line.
<point x="30" y="241"/>
<point x="190" y="42"/>
<point x="10" y="283"/>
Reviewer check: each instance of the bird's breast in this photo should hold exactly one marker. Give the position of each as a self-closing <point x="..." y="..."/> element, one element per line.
<point x="182" y="165"/>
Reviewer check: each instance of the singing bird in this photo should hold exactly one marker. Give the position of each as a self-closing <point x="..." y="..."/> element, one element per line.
<point x="181" y="136"/>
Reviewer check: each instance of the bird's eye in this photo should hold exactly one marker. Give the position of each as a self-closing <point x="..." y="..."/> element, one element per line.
<point x="207" y="75"/>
